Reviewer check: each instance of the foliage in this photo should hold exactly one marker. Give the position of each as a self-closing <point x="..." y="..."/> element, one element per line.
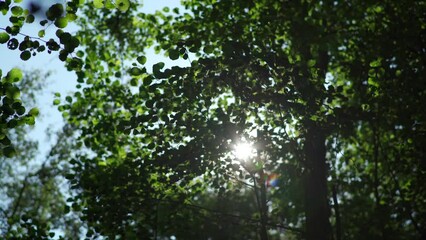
<point x="31" y="194"/>
<point x="327" y="90"/>
<point x="12" y="112"/>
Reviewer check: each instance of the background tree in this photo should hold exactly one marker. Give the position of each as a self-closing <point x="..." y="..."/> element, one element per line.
<point x="387" y="69"/>
<point x="32" y="192"/>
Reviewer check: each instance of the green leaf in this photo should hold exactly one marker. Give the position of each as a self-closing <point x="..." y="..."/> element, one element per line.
<point x="311" y="63"/>
<point x="135" y="71"/>
<point x="55" y="11"/>
<point x="4" y="37"/>
<point x="30" y="19"/>
<point x="378" y="9"/>
<point x="5" y="140"/>
<point x="156" y="69"/>
<point x="63" y="55"/>
<point x="13" y="44"/>
<point x="173" y="54"/>
<point x="134" y="82"/>
<point x="98" y="3"/>
<point x="141" y="59"/>
<point x="61" y="22"/>
<point x="41" y="33"/>
<point x="109" y="4"/>
<point x="102" y="164"/>
<point x="43" y="22"/>
<point x="13" y="92"/>
<point x="80" y="54"/>
<point x="67" y="209"/>
<point x="376" y="63"/>
<point x="158" y="66"/>
<point x="56" y="102"/>
<point x="71" y="17"/>
<point x="208" y="49"/>
<point x="14" y="75"/>
<point x="16" y="10"/>
<point x="122" y="5"/>
<point x="147" y="80"/>
<point x="20" y="110"/>
<point x="34" y="112"/>
<point x="30" y="120"/>
<point x="9" y="151"/>
<point x="25" y="55"/>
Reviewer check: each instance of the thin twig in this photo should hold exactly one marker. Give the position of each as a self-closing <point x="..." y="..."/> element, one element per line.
<point x="26" y="35"/>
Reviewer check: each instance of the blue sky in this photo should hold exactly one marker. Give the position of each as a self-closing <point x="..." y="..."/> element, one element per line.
<point x="61" y="80"/>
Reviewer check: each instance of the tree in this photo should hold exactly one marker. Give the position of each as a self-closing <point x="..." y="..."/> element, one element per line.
<point x="15" y="137"/>
<point x="12" y="111"/>
<point x="272" y="59"/>
<point x="327" y="90"/>
<point x="390" y="82"/>
<point x="33" y="200"/>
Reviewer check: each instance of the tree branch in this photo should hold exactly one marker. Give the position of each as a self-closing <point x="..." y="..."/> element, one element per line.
<point x="17" y="203"/>
<point x="249" y="219"/>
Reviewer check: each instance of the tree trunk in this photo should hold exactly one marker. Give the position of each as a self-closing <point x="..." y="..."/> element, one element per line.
<point x="263" y="208"/>
<point x="316" y="202"/>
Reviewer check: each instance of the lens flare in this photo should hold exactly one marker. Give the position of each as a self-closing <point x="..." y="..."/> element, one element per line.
<point x="244" y="151"/>
<point x="273" y="180"/>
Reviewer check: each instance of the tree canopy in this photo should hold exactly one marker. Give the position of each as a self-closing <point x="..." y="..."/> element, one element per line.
<point x="329" y="93"/>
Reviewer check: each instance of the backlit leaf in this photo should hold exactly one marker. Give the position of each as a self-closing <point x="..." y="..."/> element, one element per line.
<point x="14" y="75"/>
<point x="61" y="22"/>
<point x="98" y="3"/>
<point x="4" y="37"/>
<point x="122" y="5"/>
<point x="141" y="59"/>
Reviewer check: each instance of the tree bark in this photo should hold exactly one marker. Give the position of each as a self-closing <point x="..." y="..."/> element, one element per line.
<point x="316" y="202"/>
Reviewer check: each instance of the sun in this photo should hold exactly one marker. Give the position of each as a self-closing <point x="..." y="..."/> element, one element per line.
<point x="244" y="150"/>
